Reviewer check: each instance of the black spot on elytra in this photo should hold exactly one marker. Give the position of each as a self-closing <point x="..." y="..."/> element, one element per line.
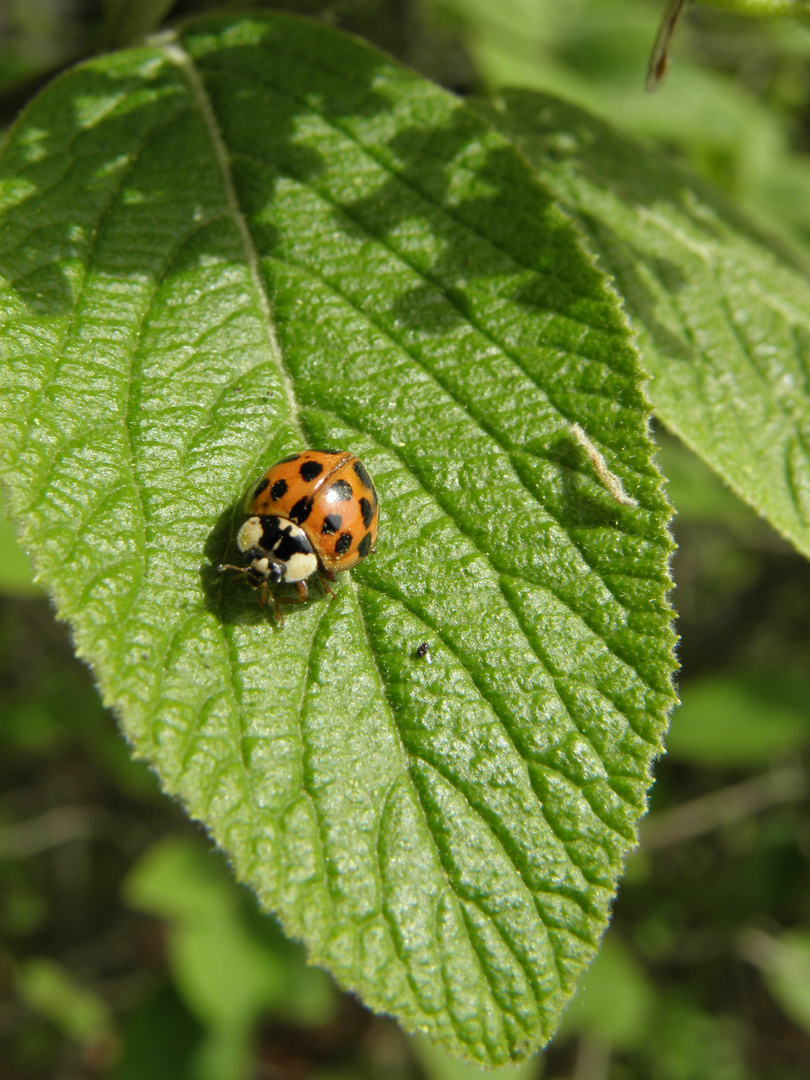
<point x="332" y="452"/>
<point x="331" y="524"/>
<point x="310" y="469"/>
<point x="278" y="490"/>
<point x="301" y="511"/>
<point x="364" y="478"/>
<point x="364" y="547"/>
<point x="260" y="487"/>
<point x="367" y="510"/>
<point x="292" y="457"/>
<point x="344" y="542"/>
<point x="340" y="491"/>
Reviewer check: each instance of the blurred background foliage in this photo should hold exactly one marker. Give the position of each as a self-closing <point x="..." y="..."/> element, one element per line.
<point x="127" y="951"/>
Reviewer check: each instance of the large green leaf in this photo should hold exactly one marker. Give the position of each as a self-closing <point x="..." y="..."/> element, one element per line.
<point x="259" y="236"/>
<point x="722" y="312"/>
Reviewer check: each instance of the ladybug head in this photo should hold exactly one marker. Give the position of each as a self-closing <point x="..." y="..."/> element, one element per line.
<point x="260" y="567"/>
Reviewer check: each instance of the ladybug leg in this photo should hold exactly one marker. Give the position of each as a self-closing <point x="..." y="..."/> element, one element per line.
<point x="326" y="576"/>
<point x="228" y="566"/>
<point x="303" y="596"/>
<point x="240" y="570"/>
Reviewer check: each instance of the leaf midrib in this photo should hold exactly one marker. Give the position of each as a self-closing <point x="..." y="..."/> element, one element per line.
<point x="181" y="59"/>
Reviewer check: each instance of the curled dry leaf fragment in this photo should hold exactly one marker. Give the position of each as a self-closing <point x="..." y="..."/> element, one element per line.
<point x="610" y="480"/>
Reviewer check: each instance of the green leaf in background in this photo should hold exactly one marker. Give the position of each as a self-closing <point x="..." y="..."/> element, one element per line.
<point x="741" y="721"/>
<point x="212" y="943"/>
<point x="162" y="1040"/>
<point x="763" y="8"/>
<point x="261" y="236"/>
<point x="721" y="313"/>
<point x="125" y="22"/>
<point x="15" y="569"/>
<point x="785" y="964"/>
<point x="733" y="123"/>
<point x="48" y="988"/>
<point x="699" y="494"/>
<point x="614" y="1002"/>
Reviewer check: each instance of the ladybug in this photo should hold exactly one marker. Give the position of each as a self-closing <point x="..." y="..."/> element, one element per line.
<point x="313" y="511"/>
